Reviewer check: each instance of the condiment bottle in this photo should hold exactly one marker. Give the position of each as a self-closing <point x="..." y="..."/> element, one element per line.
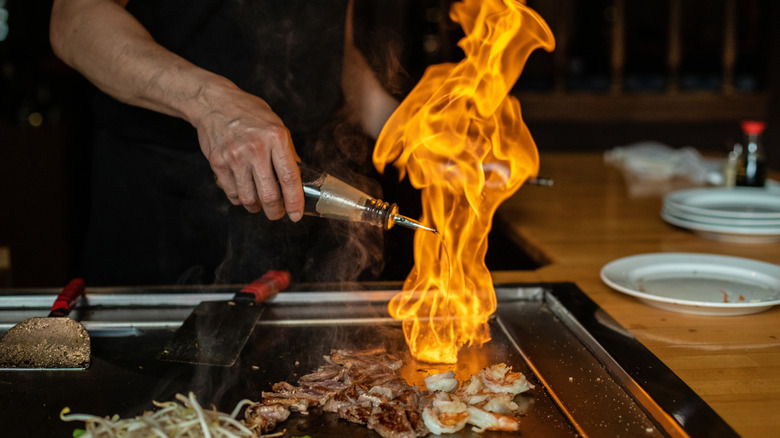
<point x="329" y="197"/>
<point x="730" y="167"/>
<point x="751" y="166"/>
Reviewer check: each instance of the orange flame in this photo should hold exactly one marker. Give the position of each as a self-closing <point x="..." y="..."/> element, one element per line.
<point x="460" y="138"/>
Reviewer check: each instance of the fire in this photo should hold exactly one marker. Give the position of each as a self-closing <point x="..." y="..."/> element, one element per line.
<point x="460" y="137"/>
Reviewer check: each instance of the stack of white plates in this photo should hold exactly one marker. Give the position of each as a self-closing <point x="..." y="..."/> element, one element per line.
<point x="739" y="214"/>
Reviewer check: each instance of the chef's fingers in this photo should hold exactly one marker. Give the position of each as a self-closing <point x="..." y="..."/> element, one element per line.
<point x="289" y="176"/>
<point x="268" y="190"/>
<point x="225" y="181"/>
<point x="247" y="195"/>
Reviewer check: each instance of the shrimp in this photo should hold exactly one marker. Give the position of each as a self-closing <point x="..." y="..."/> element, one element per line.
<point x="442" y="382"/>
<point x="447" y="414"/>
<point x="473" y="386"/>
<point x="500" y="378"/>
<point x="484" y="420"/>
<point x="502" y="403"/>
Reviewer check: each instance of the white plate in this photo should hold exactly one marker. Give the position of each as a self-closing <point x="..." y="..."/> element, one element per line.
<point x="702" y="284"/>
<point x="725" y="233"/>
<point x="674" y="210"/>
<point x="736" y="202"/>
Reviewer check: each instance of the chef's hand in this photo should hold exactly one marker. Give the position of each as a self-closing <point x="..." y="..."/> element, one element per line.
<point x="250" y="152"/>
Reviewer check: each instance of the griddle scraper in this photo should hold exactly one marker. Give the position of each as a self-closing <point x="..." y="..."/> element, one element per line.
<point x="216" y="331"/>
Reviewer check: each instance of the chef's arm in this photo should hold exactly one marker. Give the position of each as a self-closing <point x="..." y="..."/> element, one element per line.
<point x="246" y="143"/>
<point x="366" y="99"/>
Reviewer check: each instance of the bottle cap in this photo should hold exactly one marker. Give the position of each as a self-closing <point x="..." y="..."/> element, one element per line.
<point x="753" y="127"/>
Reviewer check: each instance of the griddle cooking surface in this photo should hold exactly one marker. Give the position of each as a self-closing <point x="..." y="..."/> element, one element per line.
<point x="578" y="392"/>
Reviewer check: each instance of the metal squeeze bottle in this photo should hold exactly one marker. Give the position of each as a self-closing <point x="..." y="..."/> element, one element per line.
<point x="751" y="165"/>
<point x="329" y="197"/>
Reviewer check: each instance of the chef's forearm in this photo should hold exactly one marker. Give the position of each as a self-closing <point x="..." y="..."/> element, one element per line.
<point x="366" y="99"/>
<point x="106" y="44"/>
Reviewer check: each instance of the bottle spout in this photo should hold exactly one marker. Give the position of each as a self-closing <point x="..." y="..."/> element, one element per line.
<point x="411" y="223"/>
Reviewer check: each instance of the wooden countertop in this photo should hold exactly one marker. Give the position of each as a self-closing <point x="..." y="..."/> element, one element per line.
<point x="588" y="219"/>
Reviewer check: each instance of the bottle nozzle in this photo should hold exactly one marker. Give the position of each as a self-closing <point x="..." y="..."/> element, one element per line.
<point x="411" y="223"/>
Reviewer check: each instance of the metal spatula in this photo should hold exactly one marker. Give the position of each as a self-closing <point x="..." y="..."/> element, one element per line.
<point x="55" y="341"/>
<point x="216" y="331"/>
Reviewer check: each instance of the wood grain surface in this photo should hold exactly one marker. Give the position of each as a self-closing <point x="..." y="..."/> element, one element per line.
<point x="593" y="215"/>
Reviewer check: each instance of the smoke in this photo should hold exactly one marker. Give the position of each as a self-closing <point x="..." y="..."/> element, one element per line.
<point x="344" y="151"/>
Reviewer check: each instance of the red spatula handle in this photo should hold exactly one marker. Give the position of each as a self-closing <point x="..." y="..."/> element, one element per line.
<point x="67" y="298"/>
<point x="266" y="286"/>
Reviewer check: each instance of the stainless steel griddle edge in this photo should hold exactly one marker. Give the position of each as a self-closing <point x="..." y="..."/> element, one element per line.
<point x="664" y="395"/>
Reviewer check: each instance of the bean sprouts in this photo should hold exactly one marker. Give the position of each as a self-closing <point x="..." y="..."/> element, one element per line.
<point x="185" y="419"/>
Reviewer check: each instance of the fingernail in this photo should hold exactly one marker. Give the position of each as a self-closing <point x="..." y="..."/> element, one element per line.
<point x="295" y="216"/>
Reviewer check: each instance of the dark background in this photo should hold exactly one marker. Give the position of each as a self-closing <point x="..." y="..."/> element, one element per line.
<point x="45" y="114"/>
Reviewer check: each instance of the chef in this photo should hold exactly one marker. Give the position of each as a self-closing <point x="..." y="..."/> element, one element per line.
<point x="204" y="108"/>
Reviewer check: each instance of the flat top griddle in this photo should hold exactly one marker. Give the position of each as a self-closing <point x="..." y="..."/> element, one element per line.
<point x="592" y="378"/>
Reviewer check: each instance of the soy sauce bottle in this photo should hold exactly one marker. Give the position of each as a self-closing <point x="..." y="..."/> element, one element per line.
<point x="751" y="166"/>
